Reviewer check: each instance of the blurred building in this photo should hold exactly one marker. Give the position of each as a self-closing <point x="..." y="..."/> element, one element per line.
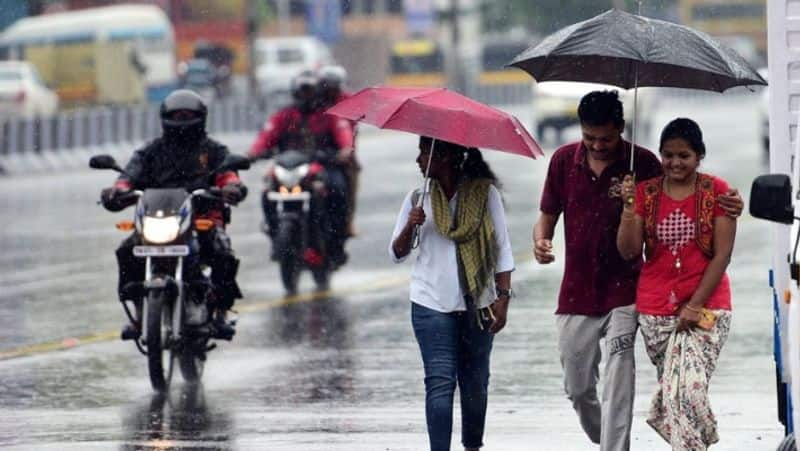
<point x="359" y="32"/>
<point x="367" y="29"/>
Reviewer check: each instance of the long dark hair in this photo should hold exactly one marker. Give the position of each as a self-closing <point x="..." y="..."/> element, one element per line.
<point x="467" y="161"/>
<point x="687" y="130"/>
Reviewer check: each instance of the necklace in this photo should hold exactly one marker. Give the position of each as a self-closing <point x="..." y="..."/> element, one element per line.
<point x="676" y="247"/>
<point x="676" y="253"/>
<point x="673" y="298"/>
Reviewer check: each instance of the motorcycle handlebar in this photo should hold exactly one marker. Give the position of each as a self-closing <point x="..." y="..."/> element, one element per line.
<point x="213" y="194"/>
<point x="122" y="200"/>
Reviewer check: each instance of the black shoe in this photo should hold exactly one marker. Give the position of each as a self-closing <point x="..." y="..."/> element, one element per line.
<point x="223" y="330"/>
<point x="130" y="332"/>
<point x="338" y="259"/>
<point x="337" y="255"/>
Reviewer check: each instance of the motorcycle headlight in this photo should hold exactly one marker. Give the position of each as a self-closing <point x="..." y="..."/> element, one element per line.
<point x="291" y="177"/>
<point x="160" y="230"/>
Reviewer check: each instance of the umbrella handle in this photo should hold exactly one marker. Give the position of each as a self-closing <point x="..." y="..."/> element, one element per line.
<point x="415" y="234"/>
<point x="631" y="198"/>
<point x="421" y="201"/>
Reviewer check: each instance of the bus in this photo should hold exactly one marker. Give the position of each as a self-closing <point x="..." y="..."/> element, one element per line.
<point x="72" y="49"/>
<point x="417" y="63"/>
<point x="728" y="19"/>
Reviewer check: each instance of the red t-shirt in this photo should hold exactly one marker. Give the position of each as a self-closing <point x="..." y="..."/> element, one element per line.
<point x="290" y="128"/>
<point x="675" y="239"/>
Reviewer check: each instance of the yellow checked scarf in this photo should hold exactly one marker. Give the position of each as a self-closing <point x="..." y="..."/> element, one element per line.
<point x="473" y="234"/>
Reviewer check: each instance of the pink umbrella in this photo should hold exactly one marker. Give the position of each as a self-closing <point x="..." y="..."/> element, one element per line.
<point x="440" y="114"/>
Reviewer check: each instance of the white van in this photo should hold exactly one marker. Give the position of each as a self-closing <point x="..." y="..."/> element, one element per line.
<point x="280" y="59"/>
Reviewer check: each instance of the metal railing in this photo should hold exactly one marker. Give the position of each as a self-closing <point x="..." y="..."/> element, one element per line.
<point x="103" y="126"/>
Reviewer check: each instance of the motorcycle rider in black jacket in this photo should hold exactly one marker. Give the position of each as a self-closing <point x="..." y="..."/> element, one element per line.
<point x="183" y="157"/>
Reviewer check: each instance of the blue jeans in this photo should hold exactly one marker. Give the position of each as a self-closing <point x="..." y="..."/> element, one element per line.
<point x="454" y="350"/>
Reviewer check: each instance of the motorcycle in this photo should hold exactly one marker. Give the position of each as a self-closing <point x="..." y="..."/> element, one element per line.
<point x="295" y="191"/>
<point x="175" y="320"/>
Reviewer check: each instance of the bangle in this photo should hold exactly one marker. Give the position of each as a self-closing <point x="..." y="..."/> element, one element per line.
<point x="692" y="309"/>
<point x="628" y="215"/>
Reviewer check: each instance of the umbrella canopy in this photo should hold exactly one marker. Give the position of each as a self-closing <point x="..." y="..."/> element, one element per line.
<point x="440" y="114"/>
<point x="628" y="50"/>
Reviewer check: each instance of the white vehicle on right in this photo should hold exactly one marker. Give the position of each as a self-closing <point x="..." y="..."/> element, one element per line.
<point x="555" y="107"/>
<point x="774" y="197"/>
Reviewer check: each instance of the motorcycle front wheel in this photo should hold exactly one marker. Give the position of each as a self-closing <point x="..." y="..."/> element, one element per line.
<point x="322" y="278"/>
<point x="160" y="359"/>
<point x="192" y="363"/>
<point x="288" y="252"/>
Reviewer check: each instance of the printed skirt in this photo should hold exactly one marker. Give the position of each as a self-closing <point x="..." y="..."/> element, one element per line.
<point x="680" y="411"/>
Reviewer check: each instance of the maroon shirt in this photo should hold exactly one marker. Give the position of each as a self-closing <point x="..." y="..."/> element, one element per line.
<point x="596" y="278"/>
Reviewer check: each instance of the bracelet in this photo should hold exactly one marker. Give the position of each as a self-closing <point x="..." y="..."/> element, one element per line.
<point x="692" y="309"/>
<point x="628" y="215"/>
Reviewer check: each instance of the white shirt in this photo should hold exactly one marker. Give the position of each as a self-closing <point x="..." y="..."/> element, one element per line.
<point x="434" y="280"/>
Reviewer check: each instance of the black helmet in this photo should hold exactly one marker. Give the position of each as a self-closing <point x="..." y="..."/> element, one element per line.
<point x="305" y="90"/>
<point x="183" y="118"/>
<point x="331" y="80"/>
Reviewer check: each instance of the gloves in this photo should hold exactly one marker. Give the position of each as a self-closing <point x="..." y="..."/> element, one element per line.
<point x="232" y="193"/>
<point x="108" y="194"/>
<point x="109" y="197"/>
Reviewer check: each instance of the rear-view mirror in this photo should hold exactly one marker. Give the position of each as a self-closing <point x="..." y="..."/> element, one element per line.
<point x="771" y="198"/>
<point x="103" y="162"/>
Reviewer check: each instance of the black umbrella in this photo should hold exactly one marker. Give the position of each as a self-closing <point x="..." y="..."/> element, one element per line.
<point x="629" y="51"/>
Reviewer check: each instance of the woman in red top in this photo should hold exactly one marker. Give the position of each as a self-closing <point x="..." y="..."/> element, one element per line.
<point x="683" y="296"/>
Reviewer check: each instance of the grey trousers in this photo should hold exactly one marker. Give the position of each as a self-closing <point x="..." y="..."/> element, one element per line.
<point x="579" y="337"/>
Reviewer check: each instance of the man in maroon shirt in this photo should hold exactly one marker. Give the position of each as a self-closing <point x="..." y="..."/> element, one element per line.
<point x="598" y="289"/>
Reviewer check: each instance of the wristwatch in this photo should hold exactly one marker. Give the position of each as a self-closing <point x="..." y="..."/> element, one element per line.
<point x="509" y="293"/>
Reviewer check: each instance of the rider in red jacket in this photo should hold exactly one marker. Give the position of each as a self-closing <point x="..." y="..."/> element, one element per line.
<point x="304" y="126"/>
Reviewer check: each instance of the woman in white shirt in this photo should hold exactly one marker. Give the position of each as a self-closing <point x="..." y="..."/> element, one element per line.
<point x="460" y="285"/>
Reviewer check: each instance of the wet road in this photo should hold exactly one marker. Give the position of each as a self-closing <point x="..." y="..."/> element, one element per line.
<point x="339" y="371"/>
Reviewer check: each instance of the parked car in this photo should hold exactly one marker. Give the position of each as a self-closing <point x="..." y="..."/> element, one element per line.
<point x="23" y="94"/>
<point x="555" y="106"/>
<point x="280" y="59"/>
